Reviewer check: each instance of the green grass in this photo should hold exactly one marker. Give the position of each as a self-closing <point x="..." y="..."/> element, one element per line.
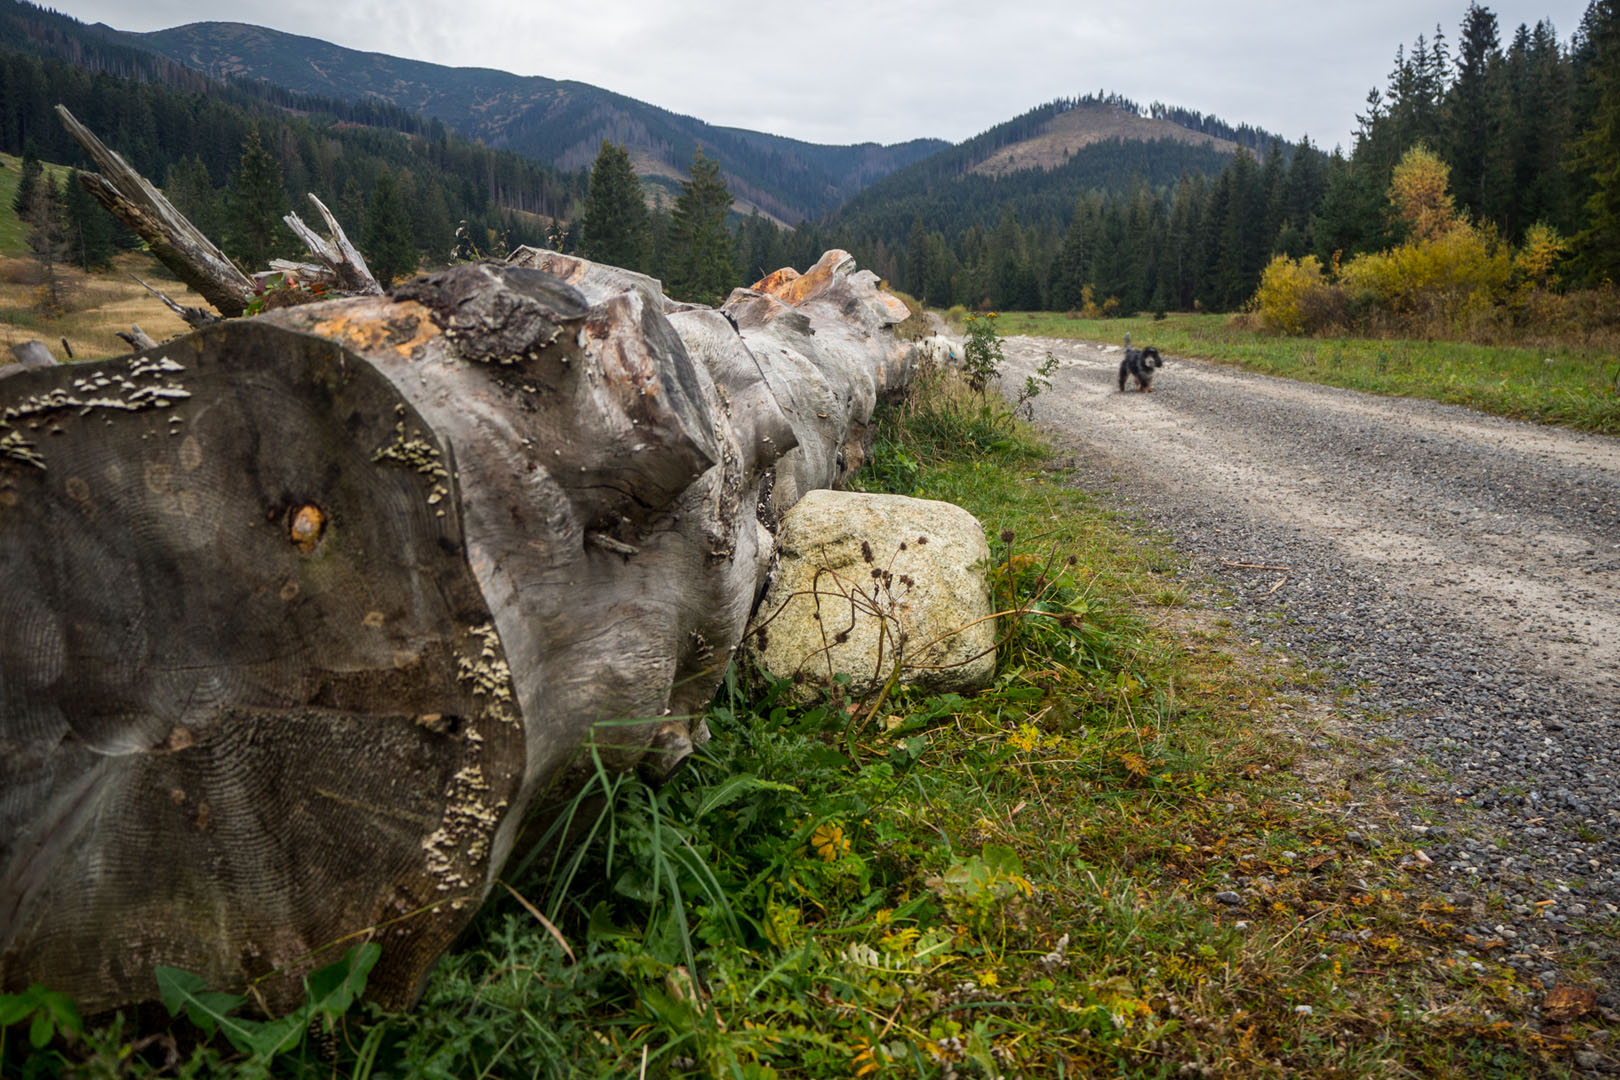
<point x="1020" y="882"/>
<point x="13" y="233"/>
<point x="1572" y="386"/>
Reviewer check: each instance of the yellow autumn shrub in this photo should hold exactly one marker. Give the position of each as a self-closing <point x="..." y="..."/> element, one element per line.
<point x="1435" y="285"/>
<point x="1286" y="286"/>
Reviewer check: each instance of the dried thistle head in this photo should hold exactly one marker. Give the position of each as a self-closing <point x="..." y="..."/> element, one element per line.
<point x="1007" y="536"/>
<point x="866" y="551"/>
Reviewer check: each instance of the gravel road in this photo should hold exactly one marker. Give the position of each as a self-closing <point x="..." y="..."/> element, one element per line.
<point x="1458" y="573"/>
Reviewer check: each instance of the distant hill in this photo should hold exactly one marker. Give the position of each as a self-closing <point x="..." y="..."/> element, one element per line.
<point x="1088" y="123"/>
<point x="560" y="123"/>
<point x="1037" y="165"/>
<point x="160" y="114"/>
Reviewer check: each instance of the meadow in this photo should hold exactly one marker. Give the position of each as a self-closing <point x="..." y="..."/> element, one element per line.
<point x="97" y="304"/>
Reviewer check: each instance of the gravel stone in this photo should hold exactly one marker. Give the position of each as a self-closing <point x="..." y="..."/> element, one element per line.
<point x="1457" y="576"/>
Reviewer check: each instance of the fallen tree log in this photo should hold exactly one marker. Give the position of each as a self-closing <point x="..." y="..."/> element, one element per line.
<point x="302" y="614"/>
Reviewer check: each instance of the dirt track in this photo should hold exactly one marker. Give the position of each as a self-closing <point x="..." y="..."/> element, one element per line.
<point x="1458" y="577"/>
<point x="1510" y="527"/>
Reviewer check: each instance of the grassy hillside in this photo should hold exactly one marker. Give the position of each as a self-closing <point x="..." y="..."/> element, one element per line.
<point x="1087" y="124"/>
<point x="97" y="304"/>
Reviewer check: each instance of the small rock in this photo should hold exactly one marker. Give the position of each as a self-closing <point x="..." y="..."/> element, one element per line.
<point x="1228" y="897"/>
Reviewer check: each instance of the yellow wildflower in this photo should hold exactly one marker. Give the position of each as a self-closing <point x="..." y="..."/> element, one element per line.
<point x="828" y="840"/>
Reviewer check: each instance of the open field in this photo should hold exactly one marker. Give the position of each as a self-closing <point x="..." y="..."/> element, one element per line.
<point x="1574" y="386"/>
<point x="97" y="304"/>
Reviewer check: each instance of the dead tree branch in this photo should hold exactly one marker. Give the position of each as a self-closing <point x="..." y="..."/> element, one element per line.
<point x="344" y="260"/>
<point x="176" y="242"/>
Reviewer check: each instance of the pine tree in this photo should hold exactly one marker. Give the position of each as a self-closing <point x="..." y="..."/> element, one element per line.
<point x="701" y="260"/>
<point x="390" y="244"/>
<point x="254" y="231"/>
<point x="47" y="241"/>
<point x="1595" y="155"/>
<point x="1470" y="133"/>
<point x="88" y="229"/>
<point x="615" y="220"/>
<point x="29" y="182"/>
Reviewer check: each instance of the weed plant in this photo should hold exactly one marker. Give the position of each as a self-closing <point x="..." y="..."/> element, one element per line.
<point x="1101" y="865"/>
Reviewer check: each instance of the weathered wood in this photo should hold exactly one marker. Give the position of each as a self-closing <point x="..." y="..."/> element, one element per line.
<point x="196" y="318"/>
<point x="177" y="243"/>
<point x="343" y="259"/>
<point x="251" y="702"/>
<point x="136" y="338"/>
<point x="608" y="464"/>
<point x="824" y="337"/>
<point x="33" y="354"/>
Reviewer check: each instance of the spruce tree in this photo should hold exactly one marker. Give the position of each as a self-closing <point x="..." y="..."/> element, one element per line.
<point x="615" y="220"/>
<point x="1596" y="153"/>
<point x="1071" y="272"/>
<point x="701" y="263"/>
<point x="189" y="187"/>
<point x="1471" y="128"/>
<point x="351" y="207"/>
<point x="88" y="229"/>
<point x="390" y="243"/>
<point x="915" y="281"/>
<point x="254" y="231"/>
<point x="47" y="241"/>
<point x="658" y="244"/>
<point x="27" y="183"/>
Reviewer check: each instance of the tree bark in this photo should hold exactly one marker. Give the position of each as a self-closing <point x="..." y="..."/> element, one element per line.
<point x="343" y="259"/>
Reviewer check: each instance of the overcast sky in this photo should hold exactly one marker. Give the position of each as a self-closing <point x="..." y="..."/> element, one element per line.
<point x="844" y="71"/>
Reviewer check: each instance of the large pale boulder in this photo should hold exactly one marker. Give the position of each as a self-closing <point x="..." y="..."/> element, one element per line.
<point x="870" y="583"/>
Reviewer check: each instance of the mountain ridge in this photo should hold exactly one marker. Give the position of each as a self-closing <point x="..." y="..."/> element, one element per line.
<point x="559" y="122"/>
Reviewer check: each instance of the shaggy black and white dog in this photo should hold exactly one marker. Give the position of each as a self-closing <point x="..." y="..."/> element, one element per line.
<point x="1140" y="363"/>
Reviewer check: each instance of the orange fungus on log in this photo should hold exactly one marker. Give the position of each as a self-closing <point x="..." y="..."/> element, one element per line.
<point x="307" y="524"/>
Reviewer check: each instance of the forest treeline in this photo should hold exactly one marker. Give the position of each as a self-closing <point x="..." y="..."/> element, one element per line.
<point x="189" y="133"/>
<point x="1530" y="128"/>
